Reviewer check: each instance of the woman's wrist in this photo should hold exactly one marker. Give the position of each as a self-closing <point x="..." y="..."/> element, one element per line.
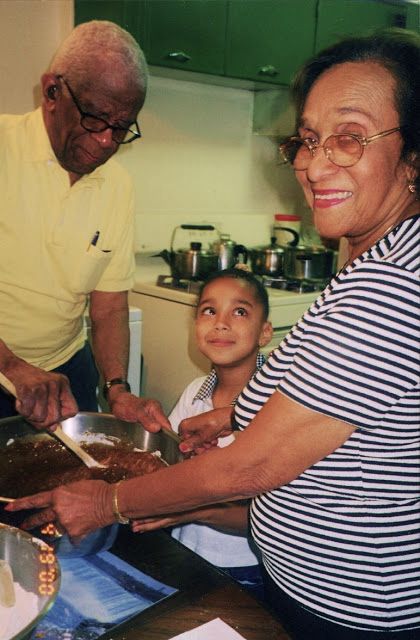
<point x="119" y="517"/>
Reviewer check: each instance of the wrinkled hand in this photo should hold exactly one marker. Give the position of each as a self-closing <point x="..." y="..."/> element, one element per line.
<point x="76" y="509"/>
<point x="201" y="432"/>
<point x="44" y="398"/>
<point x="129" y="407"/>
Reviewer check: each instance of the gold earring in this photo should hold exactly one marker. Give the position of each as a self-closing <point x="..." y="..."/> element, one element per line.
<point x="412" y="187"/>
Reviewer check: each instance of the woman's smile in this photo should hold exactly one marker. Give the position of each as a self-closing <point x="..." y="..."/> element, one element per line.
<point x="324" y="198"/>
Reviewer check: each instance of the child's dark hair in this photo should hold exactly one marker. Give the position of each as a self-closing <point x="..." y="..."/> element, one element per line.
<point x="256" y="285"/>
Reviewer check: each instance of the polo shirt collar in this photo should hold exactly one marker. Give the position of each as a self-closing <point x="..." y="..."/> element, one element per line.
<point x="207" y="388"/>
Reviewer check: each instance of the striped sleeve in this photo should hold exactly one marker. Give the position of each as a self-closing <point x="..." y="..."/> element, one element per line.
<point x="359" y="356"/>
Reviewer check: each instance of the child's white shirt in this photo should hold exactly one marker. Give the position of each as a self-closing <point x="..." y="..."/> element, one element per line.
<point x="221" y="549"/>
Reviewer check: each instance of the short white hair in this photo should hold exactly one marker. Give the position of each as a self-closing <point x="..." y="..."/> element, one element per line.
<point x="91" y="44"/>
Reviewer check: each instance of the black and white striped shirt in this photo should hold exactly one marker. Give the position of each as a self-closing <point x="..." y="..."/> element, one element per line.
<point x="343" y="538"/>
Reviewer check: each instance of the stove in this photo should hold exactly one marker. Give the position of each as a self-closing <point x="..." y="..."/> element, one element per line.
<point x="284" y="284"/>
<point x="176" y="284"/>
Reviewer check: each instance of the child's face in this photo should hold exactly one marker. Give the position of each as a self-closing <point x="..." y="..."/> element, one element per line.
<point x="230" y="326"/>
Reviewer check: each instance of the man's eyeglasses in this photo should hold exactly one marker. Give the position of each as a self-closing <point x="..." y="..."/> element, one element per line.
<point x="93" y="124"/>
<point x="342" y="149"/>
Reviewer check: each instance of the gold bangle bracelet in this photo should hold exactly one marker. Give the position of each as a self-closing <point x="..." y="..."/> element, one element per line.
<point x="115" y="508"/>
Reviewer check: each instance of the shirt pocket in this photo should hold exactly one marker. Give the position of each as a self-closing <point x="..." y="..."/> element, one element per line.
<point x="77" y="273"/>
<point x="90" y="268"/>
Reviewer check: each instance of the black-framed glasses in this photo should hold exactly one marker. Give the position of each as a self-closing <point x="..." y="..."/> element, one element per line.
<point x="342" y="149"/>
<point x="93" y="124"/>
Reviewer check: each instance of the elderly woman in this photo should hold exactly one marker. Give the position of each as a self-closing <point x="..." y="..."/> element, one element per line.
<point x="329" y="438"/>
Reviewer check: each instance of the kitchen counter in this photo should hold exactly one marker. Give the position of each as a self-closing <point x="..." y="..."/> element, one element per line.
<point x="204" y="593"/>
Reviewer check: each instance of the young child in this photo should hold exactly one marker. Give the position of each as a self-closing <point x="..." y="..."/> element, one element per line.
<point x="231" y="325"/>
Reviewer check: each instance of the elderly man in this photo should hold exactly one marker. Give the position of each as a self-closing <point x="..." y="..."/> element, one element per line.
<point x="66" y="219"/>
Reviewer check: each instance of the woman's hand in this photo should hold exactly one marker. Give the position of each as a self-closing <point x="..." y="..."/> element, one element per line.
<point x="149" y="413"/>
<point x="76" y="509"/>
<point x="201" y="432"/>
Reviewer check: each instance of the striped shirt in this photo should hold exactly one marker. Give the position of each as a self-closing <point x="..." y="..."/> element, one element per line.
<point x="343" y="539"/>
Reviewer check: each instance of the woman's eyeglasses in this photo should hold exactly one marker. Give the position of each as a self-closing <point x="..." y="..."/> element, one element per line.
<point x="93" y="124"/>
<point x="342" y="149"/>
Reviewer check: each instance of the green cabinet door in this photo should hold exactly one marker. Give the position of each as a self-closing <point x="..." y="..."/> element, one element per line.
<point x="338" y="18"/>
<point x="268" y="40"/>
<point x="187" y="34"/>
<point x="129" y="14"/>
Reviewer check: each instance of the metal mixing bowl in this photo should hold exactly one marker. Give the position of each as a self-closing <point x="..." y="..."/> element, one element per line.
<point x="83" y="426"/>
<point x="24" y="555"/>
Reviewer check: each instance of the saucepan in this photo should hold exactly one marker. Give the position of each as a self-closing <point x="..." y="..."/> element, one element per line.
<point x="312" y="263"/>
<point x="84" y="426"/>
<point x="268" y="260"/>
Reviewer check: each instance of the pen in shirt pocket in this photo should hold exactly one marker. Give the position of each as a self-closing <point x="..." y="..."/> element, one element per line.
<point x="94" y="240"/>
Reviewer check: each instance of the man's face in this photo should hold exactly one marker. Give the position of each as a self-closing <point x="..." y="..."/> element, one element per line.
<point x="77" y="150"/>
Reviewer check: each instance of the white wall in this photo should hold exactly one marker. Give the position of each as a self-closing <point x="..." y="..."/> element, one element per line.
<point x="30" y="32"/>
<point x="198" y="161"/>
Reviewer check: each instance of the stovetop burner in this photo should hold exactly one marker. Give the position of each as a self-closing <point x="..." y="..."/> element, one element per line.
<point x="296" y="286"/>
<point x="189" y="286"/>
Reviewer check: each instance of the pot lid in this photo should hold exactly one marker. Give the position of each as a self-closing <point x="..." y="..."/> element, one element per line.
<point x="195" y="249"/>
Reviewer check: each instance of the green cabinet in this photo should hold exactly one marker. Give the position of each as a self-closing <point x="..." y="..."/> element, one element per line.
<point x="129" y="14"/>
<point x="268" y="40"/>
<point x="187" y="34"/>
<point x="355" y="17"/>
<point x="261" y="41"/>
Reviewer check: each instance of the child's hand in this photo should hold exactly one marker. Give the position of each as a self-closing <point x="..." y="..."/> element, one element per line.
<point x="201" y="432"/>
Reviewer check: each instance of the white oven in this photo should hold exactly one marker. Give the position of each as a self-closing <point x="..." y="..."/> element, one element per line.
<point x="170" y="358"/>
<point x="134" y="366"/>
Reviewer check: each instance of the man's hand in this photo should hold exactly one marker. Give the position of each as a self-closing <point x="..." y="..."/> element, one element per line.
<point x="201" y="432"/>
<point x="44" y="398"/>
<point x="129" y="407"/>
<point x="76" y="509"/>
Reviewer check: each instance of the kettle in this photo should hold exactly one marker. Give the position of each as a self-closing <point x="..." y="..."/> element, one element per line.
<point x="229" y="252"/>
<point x="193" y="263"/>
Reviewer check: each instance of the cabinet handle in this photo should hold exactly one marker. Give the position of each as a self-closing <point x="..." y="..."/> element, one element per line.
<point x="178" y="56"/>
<point x="268" y="70"/>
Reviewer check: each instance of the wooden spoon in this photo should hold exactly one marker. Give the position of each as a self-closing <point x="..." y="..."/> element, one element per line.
<point x="59" y="433"/>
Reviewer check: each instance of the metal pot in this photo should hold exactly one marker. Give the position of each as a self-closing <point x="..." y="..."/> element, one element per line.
<point x="229" y="252"/>
<point x="309" y="263"/>
<point x="267" y="261"/>
<point x="193" y="263"/>
<point x="83" y="426"/>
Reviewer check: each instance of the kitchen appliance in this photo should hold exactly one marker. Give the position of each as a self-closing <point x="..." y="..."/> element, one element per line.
<point x="267" y="261"/>
<point x="171" y="359"/>
<point x="193" y="263"/>
<point x="309" y="264"/>
<point x="36" y="571"/>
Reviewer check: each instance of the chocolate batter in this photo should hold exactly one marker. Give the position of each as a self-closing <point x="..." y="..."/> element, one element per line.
<point x="38" y="465"/>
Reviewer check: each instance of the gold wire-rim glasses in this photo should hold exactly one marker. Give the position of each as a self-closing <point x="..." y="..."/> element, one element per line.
<point x="329" y="148"/>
